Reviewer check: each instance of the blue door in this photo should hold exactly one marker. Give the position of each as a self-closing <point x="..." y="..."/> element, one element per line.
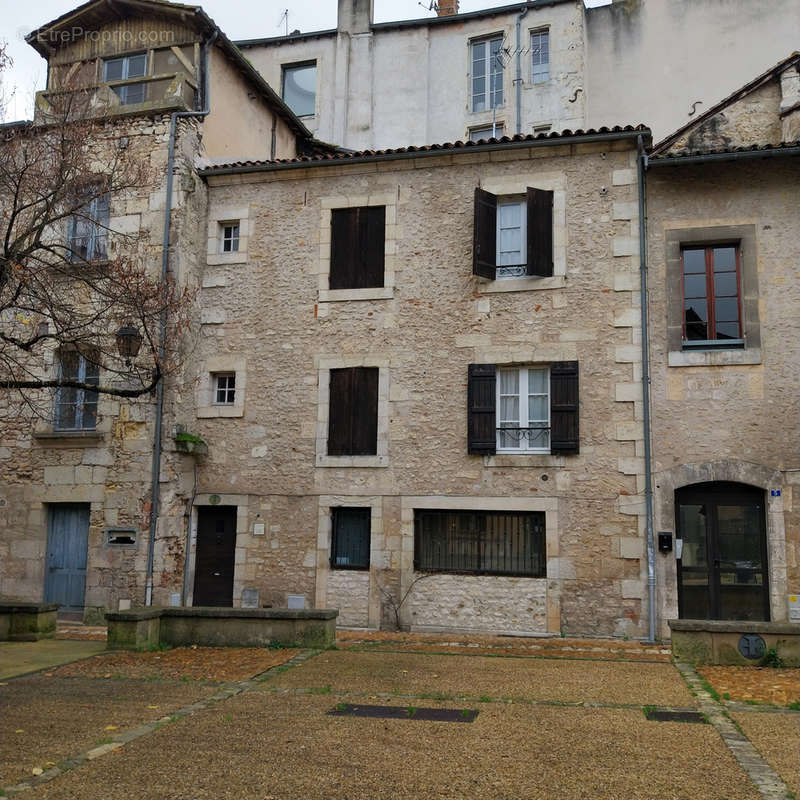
<point x="67" y="548"/>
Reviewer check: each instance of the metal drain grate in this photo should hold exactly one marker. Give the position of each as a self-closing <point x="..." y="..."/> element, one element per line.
<point x="404" y="712"/>
<point x="660" y="715"/>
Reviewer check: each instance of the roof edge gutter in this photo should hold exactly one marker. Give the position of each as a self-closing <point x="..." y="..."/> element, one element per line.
<point x="485" y="148"/>
<point x="710" y="158"/>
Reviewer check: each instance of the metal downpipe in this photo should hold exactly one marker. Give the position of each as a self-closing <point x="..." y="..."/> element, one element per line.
<point x="641" y="163"/>
<point x="518" y="80"/>
<point x="156" y="461"/>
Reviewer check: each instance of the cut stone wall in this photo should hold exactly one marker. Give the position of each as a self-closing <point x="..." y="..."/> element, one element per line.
<point x="348" y="590"/>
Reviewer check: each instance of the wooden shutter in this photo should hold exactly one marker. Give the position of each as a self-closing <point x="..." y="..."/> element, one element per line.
<point x="564" y="408"/>
<point x="357" y="247"/>
<point x="353" y="412"/>
<point x="365" y="411"/>
<point x="540" y="232"/>
<point x="481" y="433"/>
<point x="484" y="246"/>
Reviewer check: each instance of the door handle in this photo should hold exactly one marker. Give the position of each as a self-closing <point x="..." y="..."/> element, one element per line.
<point x="216" y="574"/>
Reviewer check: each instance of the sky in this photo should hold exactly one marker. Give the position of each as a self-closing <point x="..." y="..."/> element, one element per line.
<point x="239" y="19"/>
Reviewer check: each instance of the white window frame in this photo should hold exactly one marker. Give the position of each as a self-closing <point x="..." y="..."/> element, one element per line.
<point x="221" y="214"/>
<point x="540" y="73"/>
<point x="286" y="68"/>
<point x="206" y="405"/>
<point x="229" y="243"/>
<point x="225" y="384"/>
<point x="488" y="94"/>
<point x="526" y="446"/>
<point x="518" y="268"/>
<point x="491" y="131"/>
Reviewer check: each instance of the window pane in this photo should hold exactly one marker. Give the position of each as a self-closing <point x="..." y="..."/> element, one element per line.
<point x="537" y="410"/>
<point x="724" y="259"/>
<point x="696" y="331"/>
<point x="694" y="285"/>
<point x="351" y="538"/>
<point x="540" y="57"/>
<point x="696" y="311"/>
<point x="137" y="93"/>
<point x="112" y="70"/>
<point x="137" y="65"/>
<point x="537" y="381"/>
<point x="66" y="407"/>
<point x="728" y="330"/>
<point x="727" y="309"/>
<point x="725" y="284"/>
<point x="300" y="88"/>
<point x="694" y="260"/>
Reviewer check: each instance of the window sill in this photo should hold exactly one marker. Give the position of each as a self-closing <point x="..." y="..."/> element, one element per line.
<point x="215" y="259"/>
<point x="207" y="412"/>
<point x="340" y="295"/>
<point x="526" y="460"/>
<point x="86" y="438"/>
<point x="713" y="358"/>
<point x="522" y="284"/>
<point x="352" y="461"/>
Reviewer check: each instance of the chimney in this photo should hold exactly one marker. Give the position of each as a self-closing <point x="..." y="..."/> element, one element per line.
<point x="355" y="16"/>
<point x="447" y="8"/>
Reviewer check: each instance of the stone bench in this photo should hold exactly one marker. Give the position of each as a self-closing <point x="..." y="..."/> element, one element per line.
<point x="27" y="622"/>
<point x="722" y="642"/>
<point x="148" y="628"/>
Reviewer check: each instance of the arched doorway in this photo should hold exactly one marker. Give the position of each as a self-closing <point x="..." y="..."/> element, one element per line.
<point x="722" y="569"/>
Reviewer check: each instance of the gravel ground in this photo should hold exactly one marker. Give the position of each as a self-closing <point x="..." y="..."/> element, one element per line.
<point x="476" y="676"/>
<point x="45" y="719"/>
<point x="284" y="747"/>
<point x="781" y="687"/>
<point x="182" y="663"/>
<point x="777" y="738"/>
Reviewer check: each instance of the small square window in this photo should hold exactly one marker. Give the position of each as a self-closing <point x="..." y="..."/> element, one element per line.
<point x="224" y="388"/>
<point x="486" y="132"/>
<point x="229" y="237"/>
<point x="350" y="541"/>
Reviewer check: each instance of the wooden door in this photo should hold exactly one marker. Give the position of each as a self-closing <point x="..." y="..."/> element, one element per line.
<point x="67" y="550"/>
<point x="214" y="556"/>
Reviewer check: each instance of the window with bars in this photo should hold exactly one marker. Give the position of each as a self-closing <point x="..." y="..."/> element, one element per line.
<point x="523" y="410"/>
<point x="540" y="56"/>
<point x="229" y="238"/>
<point x="350" y="538"/>
<point x="480" y="542"/>
<point x="125" y="68"/>
<point x="87" y="234"/>
<point x="224" y="388"/>
<point x="711" y="296"/>
<point x="76" y="408"/>
<point x="487" y="64"/>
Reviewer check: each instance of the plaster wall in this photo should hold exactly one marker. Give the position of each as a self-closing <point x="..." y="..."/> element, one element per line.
<point x="650" y="61"/>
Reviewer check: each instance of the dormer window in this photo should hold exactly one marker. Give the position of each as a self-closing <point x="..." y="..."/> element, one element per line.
<point x="123" y="69"/>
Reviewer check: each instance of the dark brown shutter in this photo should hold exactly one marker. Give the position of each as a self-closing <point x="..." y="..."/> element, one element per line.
<point x="357" y="247"/>
<point x="340" y="413"/>
<point x="564" y="408"/>
<point x="484" y="245"/>
<point x="540" y="232"/>
<point x="481" y="433"/>
<point x="373" y="237"/>
<point x="344" y="248"/>
<point x="365" y="411"/>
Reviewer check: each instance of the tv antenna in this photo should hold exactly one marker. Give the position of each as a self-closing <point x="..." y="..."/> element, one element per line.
<point x="285" y="20"/>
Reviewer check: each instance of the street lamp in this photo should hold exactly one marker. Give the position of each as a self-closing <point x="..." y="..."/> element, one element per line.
<point x="129" y="340"/>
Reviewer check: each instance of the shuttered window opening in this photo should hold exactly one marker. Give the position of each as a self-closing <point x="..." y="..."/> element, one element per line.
<point x="508" y="409"/>
<point x="358" y="238"/>
<point x="353" y="412"/>
<point x="480" y="542"/>
<point x="513" y="236"/>
<point x="350" y="540"/>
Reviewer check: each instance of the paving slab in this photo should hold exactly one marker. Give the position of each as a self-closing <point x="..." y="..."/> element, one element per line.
<point x="444" y="676"/>
<point x="19" y="658"/>
<point x="777" y="737"/>
<point x="285" y="746"/>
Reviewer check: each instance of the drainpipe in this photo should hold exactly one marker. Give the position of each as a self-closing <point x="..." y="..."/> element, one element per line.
<point x="518" y="80"/>
<point x="156" y="464"/>
<point x="641" y="163"/>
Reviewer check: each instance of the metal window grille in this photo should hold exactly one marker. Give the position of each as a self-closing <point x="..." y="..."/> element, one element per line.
<point x="76" y="409"/>
<point x="351" y="538"/>
<point x="230" y="238"/>
<point x="225" y="389"/>
<point x="540" y="56"/>
<point x="480" y="542"/>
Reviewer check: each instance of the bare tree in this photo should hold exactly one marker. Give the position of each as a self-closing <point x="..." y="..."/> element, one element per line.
<point x="394" y="600"/>
<point x="69" y="282"/>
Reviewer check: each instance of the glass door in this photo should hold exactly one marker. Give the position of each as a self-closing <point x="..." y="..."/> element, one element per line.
<point x="723" y="570"/>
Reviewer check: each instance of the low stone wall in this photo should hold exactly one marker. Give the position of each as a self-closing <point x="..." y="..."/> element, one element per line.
<point x="734" y="643"/>
<point x="27" y="622"/>
<point x="148" y="628"/>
